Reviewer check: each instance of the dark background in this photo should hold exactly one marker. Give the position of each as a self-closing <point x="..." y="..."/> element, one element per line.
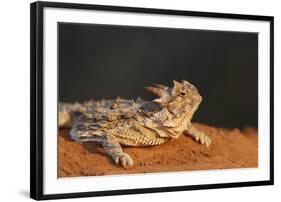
<point x="104" y="61"/>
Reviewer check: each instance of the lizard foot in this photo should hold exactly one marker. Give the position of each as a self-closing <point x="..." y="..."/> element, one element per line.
<point x="124" y="159"/>
<point x="203" y="139"/>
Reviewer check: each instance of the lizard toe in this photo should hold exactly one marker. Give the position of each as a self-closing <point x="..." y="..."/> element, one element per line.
<point x="207" y="141"/>
<point x="204" y="139"/>
<point x="124" y="159"/>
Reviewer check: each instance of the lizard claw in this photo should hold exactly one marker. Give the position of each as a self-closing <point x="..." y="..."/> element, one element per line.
<point x="198" y="136"/>
<point x="124" y="159"/>
<point x="203" y="139"/>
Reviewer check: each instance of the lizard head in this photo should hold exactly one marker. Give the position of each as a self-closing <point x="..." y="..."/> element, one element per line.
<point x="181" y="100"/>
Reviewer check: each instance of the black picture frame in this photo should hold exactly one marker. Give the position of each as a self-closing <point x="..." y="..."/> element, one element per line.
<point x="36" y="99"/>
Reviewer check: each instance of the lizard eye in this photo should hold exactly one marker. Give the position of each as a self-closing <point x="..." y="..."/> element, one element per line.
<point x="182" y="94"/>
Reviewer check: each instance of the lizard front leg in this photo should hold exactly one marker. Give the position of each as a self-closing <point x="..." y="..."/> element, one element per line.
<point x="114" y="150"/>
<point x="198" y="135"/>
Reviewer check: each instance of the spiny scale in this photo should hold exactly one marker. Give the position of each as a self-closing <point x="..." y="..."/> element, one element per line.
<point x="134" y="122"/>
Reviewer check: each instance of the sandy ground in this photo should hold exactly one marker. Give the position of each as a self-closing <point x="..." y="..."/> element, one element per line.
<point x="231" y="148"/>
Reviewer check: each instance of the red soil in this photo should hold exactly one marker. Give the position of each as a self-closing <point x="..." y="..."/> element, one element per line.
<point x="230" y="148"/>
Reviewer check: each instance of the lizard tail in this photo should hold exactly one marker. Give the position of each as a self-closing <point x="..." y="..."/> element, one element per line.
<point x="68" y="112"/>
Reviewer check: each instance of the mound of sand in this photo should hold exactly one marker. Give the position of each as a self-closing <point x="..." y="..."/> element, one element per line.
<point x="231" y="148"/>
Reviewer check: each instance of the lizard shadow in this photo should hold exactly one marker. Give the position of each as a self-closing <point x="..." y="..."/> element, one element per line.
<point x="96" y="149"/>
<point x="92" y="148"/>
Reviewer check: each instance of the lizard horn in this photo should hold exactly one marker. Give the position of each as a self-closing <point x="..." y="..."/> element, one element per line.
<point x="156" y="91"/>
<point x="176" y="84"/>
<point x="161" y="86"/>
<point x="184" y="82"/>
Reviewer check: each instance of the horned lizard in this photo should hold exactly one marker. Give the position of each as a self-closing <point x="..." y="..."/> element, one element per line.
<point x="137" y="123"/>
